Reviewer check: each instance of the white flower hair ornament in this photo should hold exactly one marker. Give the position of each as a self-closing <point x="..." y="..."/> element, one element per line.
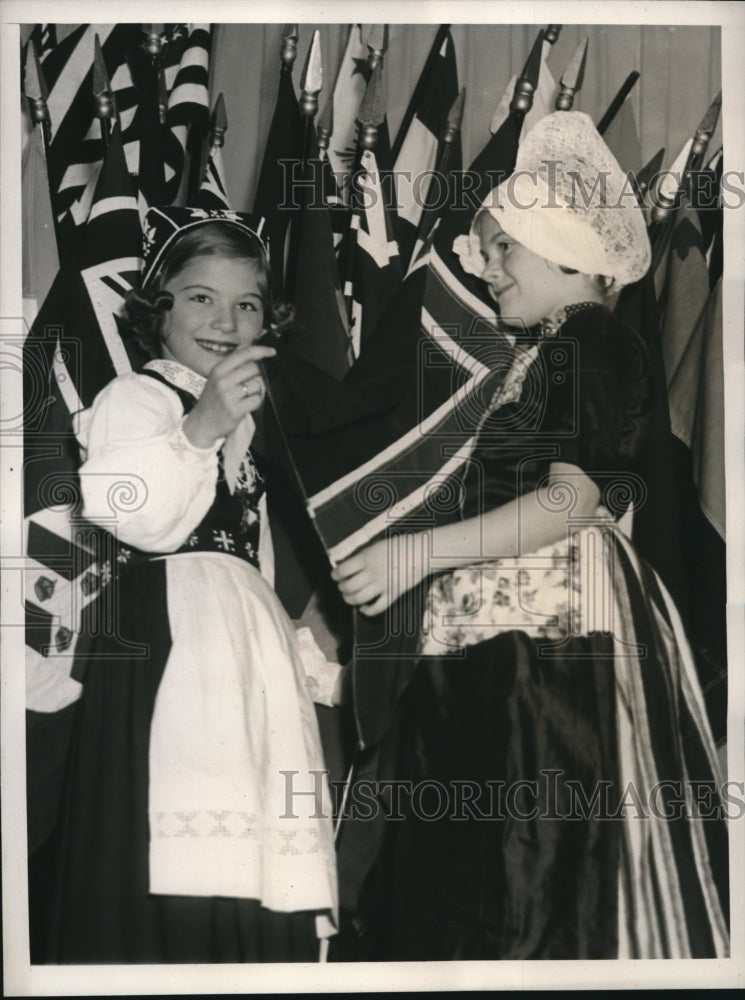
<point x="468" y="249"/>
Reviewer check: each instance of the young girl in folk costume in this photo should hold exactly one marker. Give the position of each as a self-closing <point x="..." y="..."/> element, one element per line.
<point x="181" y="839"/>
<point x="554" y="727"/>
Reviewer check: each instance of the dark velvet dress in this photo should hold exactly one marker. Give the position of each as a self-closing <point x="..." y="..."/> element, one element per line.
<point x="541" y="759"/>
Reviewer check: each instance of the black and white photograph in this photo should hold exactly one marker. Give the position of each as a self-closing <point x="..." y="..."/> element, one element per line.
<point x="373" y="605"/>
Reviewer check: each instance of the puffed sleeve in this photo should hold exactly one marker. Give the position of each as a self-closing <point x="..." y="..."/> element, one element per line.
<point x="598" y="400"/>
<point x="140" y="471"/>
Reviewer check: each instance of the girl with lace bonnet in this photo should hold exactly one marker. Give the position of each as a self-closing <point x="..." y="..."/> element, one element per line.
<point x="554" y="708"/>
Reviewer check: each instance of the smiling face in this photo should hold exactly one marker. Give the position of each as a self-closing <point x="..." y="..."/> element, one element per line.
<point x="217" y="306"/>
<point x="527" y="287"/>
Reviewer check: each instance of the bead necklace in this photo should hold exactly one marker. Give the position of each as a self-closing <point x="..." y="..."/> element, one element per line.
<point x="550" y="326"/>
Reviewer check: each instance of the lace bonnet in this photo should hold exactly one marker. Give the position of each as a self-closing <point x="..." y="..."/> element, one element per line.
<point x="570" y="202"/>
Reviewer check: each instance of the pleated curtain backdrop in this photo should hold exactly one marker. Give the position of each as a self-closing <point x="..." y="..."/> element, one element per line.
<point x="680" y="70"/>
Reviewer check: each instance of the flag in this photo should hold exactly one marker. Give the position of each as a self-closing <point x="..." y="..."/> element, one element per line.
<point x="44" y="38"/>
<point x="419" y="144"/>
<point x="147" y="125"/>
<point x="376" y="270"/>
<point x="40" y="258"/>
<point x="711" y="214"/>
<point x="213" y="191"/>
<point x="543" y="99"/>
<point x="371" y="263"/>
<point x="76" y="146"/>
<point x="72" y="351"/>
<point x="320" y="331"/>
<point x="188" y="107"/>
<point x="622" y="138"/>
<point x="275" y="198"/>
<point x="349" y="89"/>
<point x="692" y="347"/>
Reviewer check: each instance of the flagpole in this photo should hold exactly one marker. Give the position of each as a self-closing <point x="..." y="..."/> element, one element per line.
<point x="103" y="97"/>
<point x="311" y="83"/>
<point x="704" y="132"/>
<point x="552" y="33"/>
<point x="615" y="105"/>
<point x="449" y="134"/>
<point x="219" y="124"/>
<point x="36" y="95"/>
<point x="371" y="115"/>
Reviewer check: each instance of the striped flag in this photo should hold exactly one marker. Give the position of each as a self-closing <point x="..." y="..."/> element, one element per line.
<point x="44" y="39"/>
<point x="76" y="146"/>
<point x="420" y="144"/>
<point x="188" y="104"/>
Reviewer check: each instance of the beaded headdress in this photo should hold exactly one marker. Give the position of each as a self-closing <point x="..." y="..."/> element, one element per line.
<point x="164" y="226"/>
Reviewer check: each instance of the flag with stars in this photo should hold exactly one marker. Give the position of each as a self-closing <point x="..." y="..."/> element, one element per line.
<point x="76" y="148"/>
<point x="349" y="90"/>
<point x="188" y="103"/>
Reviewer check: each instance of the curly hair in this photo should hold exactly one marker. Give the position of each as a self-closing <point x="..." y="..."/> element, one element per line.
<point x="144" y="309"/>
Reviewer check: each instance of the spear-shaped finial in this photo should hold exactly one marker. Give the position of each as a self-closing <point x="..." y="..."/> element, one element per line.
<point x="288" y="52"/>
<point x="705" y="130"/>
<point x="218" y="122"/>
<point x="311" y="80"/>
<point x="377" y="43"/>
<point x="525" y="86"/>
<point x="153" y="40"/>
<point x="551" y="33"/>
<point x="35" y="87"/>
<point x="325" y="126"/>
<point x="666" y="195"/>
<point x="455" y="119"/>
<point x="103" y="98"/>
<point x="615" y="105"/>
<point x="372" y="109"/>
<point x="572" y="77"/>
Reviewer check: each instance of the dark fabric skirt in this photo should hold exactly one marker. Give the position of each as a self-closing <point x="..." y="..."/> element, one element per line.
<point x="485" y="865"/>
<point x="505" y="829"/>
<point x="98" y="907"/>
